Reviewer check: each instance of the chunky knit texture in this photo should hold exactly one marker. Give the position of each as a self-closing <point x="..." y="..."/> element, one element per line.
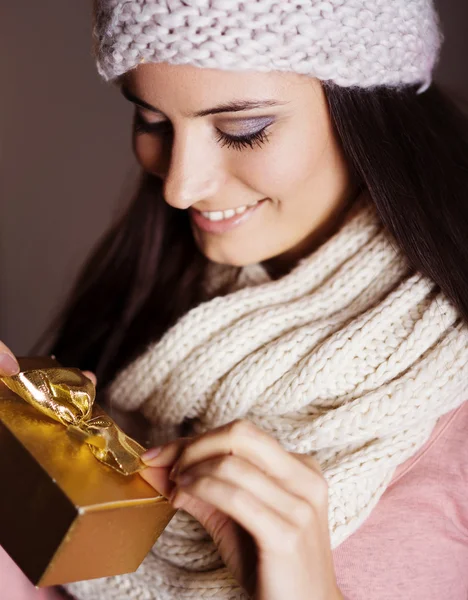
<point x="351" y="357"/>
<point x="350" y="42"/>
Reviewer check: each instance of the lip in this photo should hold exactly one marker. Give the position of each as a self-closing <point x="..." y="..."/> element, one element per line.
<point x="226" y="224"/>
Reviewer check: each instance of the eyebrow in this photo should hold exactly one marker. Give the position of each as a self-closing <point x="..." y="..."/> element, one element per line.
<point x="235" y="106"/>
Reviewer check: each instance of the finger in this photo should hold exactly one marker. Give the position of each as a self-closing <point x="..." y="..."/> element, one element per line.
<point x="166" y="455"/>
<point x="8" y="364"/>
<point x="159" y="461"/>
<point x="309" y="461"/>
<point x="90" y="375"/>
<point x="158" y="478"/>
<point x="243" y="474"/>
<point x="268" y="528"/>
<point x="242" y="438"/>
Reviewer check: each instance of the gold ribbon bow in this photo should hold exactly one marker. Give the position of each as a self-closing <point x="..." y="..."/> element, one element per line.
<point x="67" y="396"/>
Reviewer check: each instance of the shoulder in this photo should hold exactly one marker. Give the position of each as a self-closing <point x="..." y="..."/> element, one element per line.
<point x="440" y="445"/>
<point x="450" y="456"/>
<point x="453" y="442"/>
<point x="447" y="448"/>
<point x="438" y="473"/>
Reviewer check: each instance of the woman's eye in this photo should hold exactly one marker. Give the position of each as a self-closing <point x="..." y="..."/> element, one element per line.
<point x="142" y="126"/>
<point x="238" y="142"/>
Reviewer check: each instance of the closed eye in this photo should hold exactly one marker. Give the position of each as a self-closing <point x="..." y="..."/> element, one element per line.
<point x="142" y="126"/>
<point x="242" y="141"/>
<point x="231" y="141"/>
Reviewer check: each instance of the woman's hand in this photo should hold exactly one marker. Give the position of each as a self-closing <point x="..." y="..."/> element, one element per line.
<point x="16" y="584"/>
<point x="265" y="508"/>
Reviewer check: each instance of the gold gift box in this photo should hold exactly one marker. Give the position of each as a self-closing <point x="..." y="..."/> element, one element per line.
<point x="64" y="515"/>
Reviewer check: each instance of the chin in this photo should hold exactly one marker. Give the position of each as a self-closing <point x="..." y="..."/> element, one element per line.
<point x="233" y="259"/>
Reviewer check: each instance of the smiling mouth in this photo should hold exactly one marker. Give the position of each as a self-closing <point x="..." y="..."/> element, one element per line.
<point x="223" y="221"/>
<point x="220" y="215"/>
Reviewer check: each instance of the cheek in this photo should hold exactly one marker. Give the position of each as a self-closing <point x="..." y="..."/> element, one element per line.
<point x="284" y="165"/>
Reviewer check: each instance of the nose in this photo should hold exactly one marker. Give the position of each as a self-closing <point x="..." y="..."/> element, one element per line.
<point x="193" y="173"/>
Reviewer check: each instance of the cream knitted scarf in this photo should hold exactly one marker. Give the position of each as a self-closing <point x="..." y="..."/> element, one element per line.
<point x="351" y="357"/>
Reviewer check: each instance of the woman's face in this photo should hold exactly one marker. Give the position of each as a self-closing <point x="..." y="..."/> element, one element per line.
<point x="223" y="140"/>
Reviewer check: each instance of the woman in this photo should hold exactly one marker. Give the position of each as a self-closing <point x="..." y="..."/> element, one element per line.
<point x="283" y="308"/>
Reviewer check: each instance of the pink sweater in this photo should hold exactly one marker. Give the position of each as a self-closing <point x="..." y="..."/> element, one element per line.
<point x="413" y="546"/>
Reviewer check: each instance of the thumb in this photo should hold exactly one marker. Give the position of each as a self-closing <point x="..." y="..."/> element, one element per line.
<point x="8" y="363"/>
<point x="90" y="375"/>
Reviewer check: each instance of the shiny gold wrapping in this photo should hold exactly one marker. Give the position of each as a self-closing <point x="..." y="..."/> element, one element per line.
<point x="65" y="515"/>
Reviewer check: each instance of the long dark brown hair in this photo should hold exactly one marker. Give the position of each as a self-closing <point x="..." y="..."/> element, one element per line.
<point x="410" y="151"/>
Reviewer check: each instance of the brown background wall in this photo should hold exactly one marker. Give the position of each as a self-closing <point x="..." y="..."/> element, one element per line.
<point x="65" y="157"/>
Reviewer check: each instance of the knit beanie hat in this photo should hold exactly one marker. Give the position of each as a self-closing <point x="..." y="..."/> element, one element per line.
<point x="362" y="43"/>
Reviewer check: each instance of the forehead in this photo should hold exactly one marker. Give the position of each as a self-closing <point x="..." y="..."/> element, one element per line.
<point x="188" y="88"/>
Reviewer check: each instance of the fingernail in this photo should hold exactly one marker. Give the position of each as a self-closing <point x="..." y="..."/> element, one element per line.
<point x="151" y="454"/>
<point x="8" y="365"/>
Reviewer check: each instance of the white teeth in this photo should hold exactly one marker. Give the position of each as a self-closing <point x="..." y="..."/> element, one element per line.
<point x="214" y="216"/>
<point x="219" y="215"/>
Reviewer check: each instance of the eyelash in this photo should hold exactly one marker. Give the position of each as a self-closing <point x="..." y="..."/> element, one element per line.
<point x="237" y="142"/>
